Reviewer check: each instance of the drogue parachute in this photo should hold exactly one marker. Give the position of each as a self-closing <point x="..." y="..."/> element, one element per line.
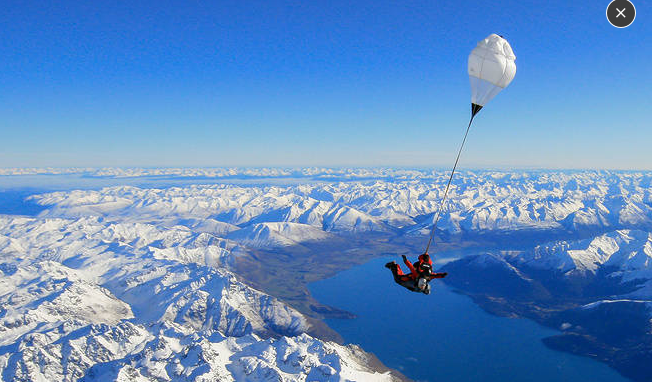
<point x="491" y="69"/>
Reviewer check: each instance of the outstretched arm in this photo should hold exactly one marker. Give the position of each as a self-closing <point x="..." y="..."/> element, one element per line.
<point x="409" y="265"/>
<point x="439" y="275"/>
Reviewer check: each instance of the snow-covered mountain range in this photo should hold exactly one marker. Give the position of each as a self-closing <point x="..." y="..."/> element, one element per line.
<point x="478" y="202"/>
<point x="101" y="300"/>
<point x="626" y="253"/>
<point x="622" y="257"/>
<point x="136" y="283"/>
<point x="597" y="292"/>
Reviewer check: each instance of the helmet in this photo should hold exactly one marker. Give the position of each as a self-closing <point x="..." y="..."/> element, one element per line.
<point x="422" y="284"/>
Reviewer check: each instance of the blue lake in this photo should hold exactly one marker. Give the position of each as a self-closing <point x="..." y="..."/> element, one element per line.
<point x="444" y="336"/>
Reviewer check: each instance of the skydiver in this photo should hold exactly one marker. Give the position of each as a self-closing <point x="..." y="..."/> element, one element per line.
<point x="418" y="280"/>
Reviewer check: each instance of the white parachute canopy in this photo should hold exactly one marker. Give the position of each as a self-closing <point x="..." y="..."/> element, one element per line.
<point x="491" y="69"/>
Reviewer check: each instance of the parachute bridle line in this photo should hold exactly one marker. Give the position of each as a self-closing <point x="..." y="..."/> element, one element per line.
<point x="441" y="204"/>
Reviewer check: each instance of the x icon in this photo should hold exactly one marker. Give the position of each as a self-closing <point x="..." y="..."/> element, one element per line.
<point x="621" y="13"/>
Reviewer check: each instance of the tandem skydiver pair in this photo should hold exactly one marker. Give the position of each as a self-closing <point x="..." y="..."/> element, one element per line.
<point x="418" y="280"/>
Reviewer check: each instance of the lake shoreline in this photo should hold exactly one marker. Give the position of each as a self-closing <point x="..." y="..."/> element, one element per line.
<point x="450" y="322"/>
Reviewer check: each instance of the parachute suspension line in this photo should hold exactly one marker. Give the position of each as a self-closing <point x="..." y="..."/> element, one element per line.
<point x="441" y="204"/>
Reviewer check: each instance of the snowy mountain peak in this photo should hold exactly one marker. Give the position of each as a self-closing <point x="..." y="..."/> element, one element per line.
<point x="96" y="299"/>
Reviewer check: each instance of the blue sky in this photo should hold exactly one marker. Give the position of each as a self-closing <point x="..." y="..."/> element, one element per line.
<point x="334" y="83"/>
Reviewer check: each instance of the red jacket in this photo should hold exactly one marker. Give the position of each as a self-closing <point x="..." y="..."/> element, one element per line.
<point x="415" y="268"/>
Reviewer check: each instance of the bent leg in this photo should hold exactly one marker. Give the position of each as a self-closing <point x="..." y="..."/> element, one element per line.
<point x="401" y="277"/>
<point x="398" y="274"/>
